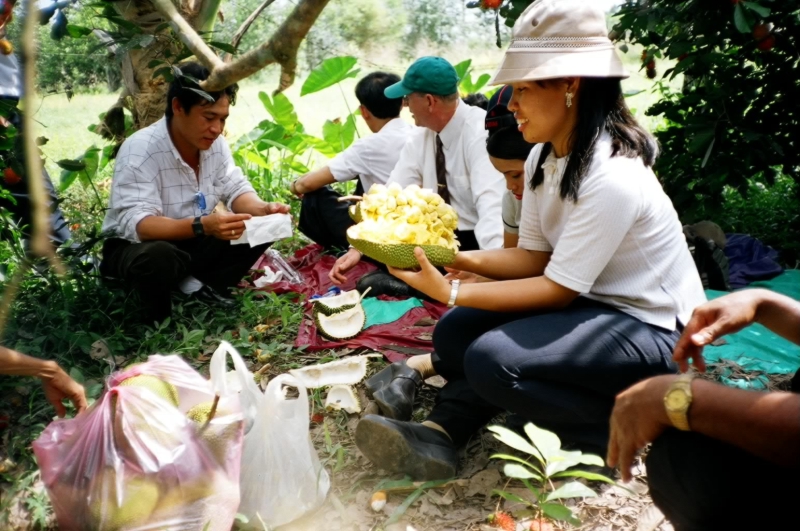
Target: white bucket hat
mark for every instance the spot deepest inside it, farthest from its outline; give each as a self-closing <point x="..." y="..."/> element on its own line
<point x="559" y="38"/>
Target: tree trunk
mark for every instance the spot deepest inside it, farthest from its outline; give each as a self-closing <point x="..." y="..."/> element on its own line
<point x="145" y="95"/>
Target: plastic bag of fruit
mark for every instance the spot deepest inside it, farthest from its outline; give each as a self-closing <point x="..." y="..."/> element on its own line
<point x="283" y="478"/>
<point x="147" y="455"/>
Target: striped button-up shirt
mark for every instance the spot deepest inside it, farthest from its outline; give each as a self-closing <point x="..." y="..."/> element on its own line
<point x="151" y="179"/>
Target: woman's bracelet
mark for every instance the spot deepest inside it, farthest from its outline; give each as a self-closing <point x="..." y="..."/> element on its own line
<point x="453" y="292"/>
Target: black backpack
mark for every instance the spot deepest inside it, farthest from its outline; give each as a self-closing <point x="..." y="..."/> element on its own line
<point x="709" y="256"/>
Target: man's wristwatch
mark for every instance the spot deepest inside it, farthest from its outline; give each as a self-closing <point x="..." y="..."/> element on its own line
<point x="197" y="227"/>
<point x="677" y="400"/>
<point x="453" y="293"/>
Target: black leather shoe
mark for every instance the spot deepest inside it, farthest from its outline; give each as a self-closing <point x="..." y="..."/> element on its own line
<point x="394" y="389"/>
<point x="421" y="452"/>
<point x="212" y="297"/>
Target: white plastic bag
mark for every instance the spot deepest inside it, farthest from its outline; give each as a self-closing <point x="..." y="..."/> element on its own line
<point x="281" y="476"/>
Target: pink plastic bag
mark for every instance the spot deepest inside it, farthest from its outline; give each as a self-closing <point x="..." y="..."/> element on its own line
<point x="134" y="462"/>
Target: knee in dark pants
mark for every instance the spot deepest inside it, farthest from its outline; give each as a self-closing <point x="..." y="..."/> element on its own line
<point x="159" y="263"/>
<point x="486" y="373"/>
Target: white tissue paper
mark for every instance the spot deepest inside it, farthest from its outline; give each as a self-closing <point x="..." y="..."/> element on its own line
<point x="269" y="277"/>
<point x="265" y="229"/>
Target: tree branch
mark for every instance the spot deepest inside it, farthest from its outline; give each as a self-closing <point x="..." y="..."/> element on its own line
<point x="188" y="35"/>
<point x="281" y="48"/>
<point x="41" y="245"/>
<point x="247" y="23"/>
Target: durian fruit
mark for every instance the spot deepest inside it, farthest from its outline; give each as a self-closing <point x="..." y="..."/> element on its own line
<point x="112" y="511"/>
<point x="342" y="325"/>
<point x="342" y="397"/>
<point x="347" y="371"/>
<point x="395" y="220"/>
<point x="216" y="436"/>
<point x="355" y="212"/>
<point x="332" y="305"/>
<point x="161" y="388"/>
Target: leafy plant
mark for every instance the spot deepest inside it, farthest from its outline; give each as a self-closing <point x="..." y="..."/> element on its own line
<point x="550" y="463"/>
<point x="465" y="84"/>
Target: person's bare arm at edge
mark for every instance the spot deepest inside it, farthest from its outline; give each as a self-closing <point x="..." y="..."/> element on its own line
<point x="731" y="313"/>
<point x="56" y="383"/>
<point x="765" y="424"/>
<point x="312" y="181"/>
<point x="505" y="296"/>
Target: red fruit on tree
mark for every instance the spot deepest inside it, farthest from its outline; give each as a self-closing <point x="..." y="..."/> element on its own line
<point x="651" y="73"/>
<point x="491" y="4"/>
<point x="11" y="177"/>
<point x="761" y="31"/>
<point x="651" y="65"/>
<point x="682" y="56"/>
<point x="766" y="44"/>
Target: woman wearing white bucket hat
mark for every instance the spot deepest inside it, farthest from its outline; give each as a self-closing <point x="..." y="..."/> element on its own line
<point x="595" y="295"/>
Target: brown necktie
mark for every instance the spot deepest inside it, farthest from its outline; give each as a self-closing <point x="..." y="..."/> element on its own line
<point x="441" y="171"/>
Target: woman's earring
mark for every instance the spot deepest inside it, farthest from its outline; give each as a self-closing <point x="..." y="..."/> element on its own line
<point x="569" y="99"/>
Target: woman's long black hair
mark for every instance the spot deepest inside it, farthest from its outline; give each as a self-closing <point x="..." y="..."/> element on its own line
<point x="601" y="106"/>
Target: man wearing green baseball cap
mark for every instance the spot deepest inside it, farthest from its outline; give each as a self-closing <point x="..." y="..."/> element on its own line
<point x="447" y="154"/>
<point x="431" y="75"/>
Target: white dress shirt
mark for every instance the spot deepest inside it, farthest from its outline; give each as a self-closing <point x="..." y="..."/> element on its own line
<point x="373" y="157"/>
<point x="621" y="243"/>
<point x="151" y="179"/>
<point x="10" y="77"/>
<point x="475" y="186"/>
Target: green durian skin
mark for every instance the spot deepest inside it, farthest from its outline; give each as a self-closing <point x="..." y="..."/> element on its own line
<point x="401" y="255"/>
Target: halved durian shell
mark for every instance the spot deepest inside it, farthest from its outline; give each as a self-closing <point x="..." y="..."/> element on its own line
<point x="342" y="397"/>
<point x="343" y="325"/>
<point x="333" y="305"/>
<point x="347" y="371"/>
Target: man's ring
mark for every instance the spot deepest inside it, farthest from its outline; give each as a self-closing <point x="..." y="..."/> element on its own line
<point x="233" y="232"/>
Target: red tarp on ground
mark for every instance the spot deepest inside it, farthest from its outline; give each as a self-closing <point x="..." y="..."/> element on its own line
<point x="314" y="267"/>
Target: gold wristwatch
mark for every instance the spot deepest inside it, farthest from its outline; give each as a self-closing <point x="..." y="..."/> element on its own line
<point x="677" y="400"/>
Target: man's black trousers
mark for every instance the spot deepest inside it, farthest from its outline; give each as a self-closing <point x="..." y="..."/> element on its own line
<point x="155" y="268"/>
<point x="700" y="483"/>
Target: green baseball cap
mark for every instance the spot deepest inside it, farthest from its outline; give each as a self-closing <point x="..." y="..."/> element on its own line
<point x="429" y="75"/>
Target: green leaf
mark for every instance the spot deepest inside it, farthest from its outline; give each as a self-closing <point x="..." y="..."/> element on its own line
<point x="591" y="476"/>
<point x="757" y="8"/>
<point x="513" y="440"/>
<point x="556" y="511"/>
<point x="256" y="159"/>
<point x="224" y="46"/>
<point x="330" y="72"/>
<point x="76" y="32"/>
<point x="462" y="69"/>
<point x="547" y="442"/>
<point x="321" y="146"/>
<point x="510" y="497"/>
<point x="281" y="109"/>
<point x="741" y="19"/>
<point x="66" y="179"/>
<point x="573" y="489"/>
<point x="508" y="457"/>
<point x="701" y="139"/>
<point x="71" y="165"/>
<point x="517" y="471"/>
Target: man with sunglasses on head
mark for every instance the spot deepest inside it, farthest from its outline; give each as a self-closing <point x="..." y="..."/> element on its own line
<point x="167" y="181"/>
<point x="447" y="154"/>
